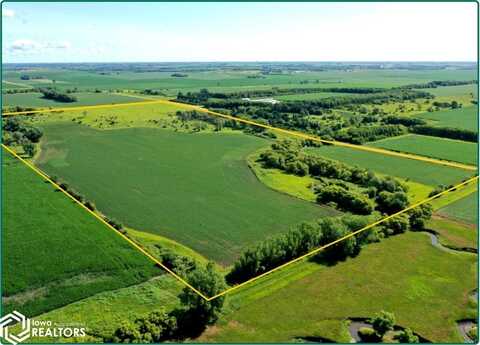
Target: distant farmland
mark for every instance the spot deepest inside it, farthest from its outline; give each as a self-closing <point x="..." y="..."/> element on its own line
<point x="35" y="99"/>
<point x="194" y="188"/>
<point x="47" y="246"/>
<point x="464" y="118"/>
<point x="453" y="150"/>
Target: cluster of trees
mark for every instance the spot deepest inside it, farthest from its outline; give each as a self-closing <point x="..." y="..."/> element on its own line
<point x="363" y="134"/>
<point x="436" y="83"/>
<point x="151" y="92"/>
<point x="453" y="104"/>
<point x="56" y="95"/>
<point x="13" y="91"/>
<point x="194" y="314"/>
<point x="382" y="323"/>
<point x="403" y="120"/>
<point x="194" y="115"/>
<point x="389" y="193"/>
<point x="306" y="237"/>
<point x="446" y="132"/>
<point x="15" y="132"/>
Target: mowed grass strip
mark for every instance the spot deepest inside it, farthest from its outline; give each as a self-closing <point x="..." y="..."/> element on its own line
<point x="447" y="149"/>
<point x="463" y="118"/>
<point x="53" y="251"/>
<point x="196" y="189"/>
<point x="418" y="171"/>
<point x="427" y="289"/>
<point x="35" y="99"/>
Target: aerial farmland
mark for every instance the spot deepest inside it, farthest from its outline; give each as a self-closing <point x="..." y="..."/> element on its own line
<point x="240" y="202"/>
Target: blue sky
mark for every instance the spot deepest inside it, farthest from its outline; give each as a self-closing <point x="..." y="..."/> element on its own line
<point x="107" y="32"/>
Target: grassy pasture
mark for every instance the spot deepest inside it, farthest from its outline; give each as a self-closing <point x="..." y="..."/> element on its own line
<point x="103" y="313"/>
<point x="427" y="290"/>
<point x="465" y="209"/>
<point x="417" y="171"/>
<point x="452" y="150"/>
<point x="34" y="99"/>
<point x="458" y="90"/>
<point x="54" y="252"/>
<point x="453" y="233"/>
<point x="463" y="118"/>
<point x="193" y="188"/>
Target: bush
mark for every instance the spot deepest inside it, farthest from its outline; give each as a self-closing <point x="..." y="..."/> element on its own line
<point x="368" y="335"/>
<point x="383" y="322"/>
<point x="407" y="337"/>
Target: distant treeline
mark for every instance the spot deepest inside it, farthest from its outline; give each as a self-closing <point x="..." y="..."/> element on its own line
<point x="205" y="94"/>
<point x="57" y="96"/>
<point x="363" y="134"/>
<point x="447" y="132"/>
<point x="437" y="83"/>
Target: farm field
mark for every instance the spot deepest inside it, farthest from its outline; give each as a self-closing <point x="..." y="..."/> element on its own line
<point x="227" y="80"/>
<point x="464" y="118"/>
<point x="417" y="171"/>
<point x="465" y="209"/>
<point x="47" y="241"/>
<point x="447" y="149"/>
<point x="35" y="99"/>
<point x="421" y="277"/>
<point x="193" y="188"/>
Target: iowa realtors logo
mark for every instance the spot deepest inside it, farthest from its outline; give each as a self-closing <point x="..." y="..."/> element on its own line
<point x="11" y="319"/>
<point x="33" y="328"/>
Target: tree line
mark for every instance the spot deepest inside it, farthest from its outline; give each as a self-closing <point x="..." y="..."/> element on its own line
<point x="55" y="95"/>
<point x="438" y="83"/>
<point x="306" y="237"/>
<point x="446" y="132"/>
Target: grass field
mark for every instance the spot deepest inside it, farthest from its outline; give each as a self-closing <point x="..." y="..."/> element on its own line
<point x="193" y="188"/>
<point x="103" y="313"/>
<point x="136" y="115"/>
<point x="458" y="90"/>
<point x="453" y="233"/>
<point x="463" y="118"/>
<point x="452" y="150"/>
<point x="47" y="246"/>
<point x="427" y="290"/>
<point x="35" y="100"/>
<point x="465" y="209"/>
<point x="418" y="171"/>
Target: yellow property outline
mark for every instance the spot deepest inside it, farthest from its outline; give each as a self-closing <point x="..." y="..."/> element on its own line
<point x="284" y="131"/>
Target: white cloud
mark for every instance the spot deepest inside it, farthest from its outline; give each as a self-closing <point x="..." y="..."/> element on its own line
<point x="8" y="13"/>
<point x="29" y="45"/>
<point x="24" y="45"/>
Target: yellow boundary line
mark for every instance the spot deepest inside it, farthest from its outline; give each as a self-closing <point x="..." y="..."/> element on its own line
<point x="126" y="238"/>
<point x="253" y="123"/>
<point x="313" y="252"/>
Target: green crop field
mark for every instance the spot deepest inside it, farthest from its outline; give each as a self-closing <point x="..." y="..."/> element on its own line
<point x="47" y="246"/>
<point x="35" y="99"/>
<point x="452" y="150"/>
<point x="465" y="209"/>
<point x="463" y="118"/>
<point x="193" y="188"/>
<point x="427" y="289"/>
<point x="457" y="90"/>
<point x="418" y="171"/>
